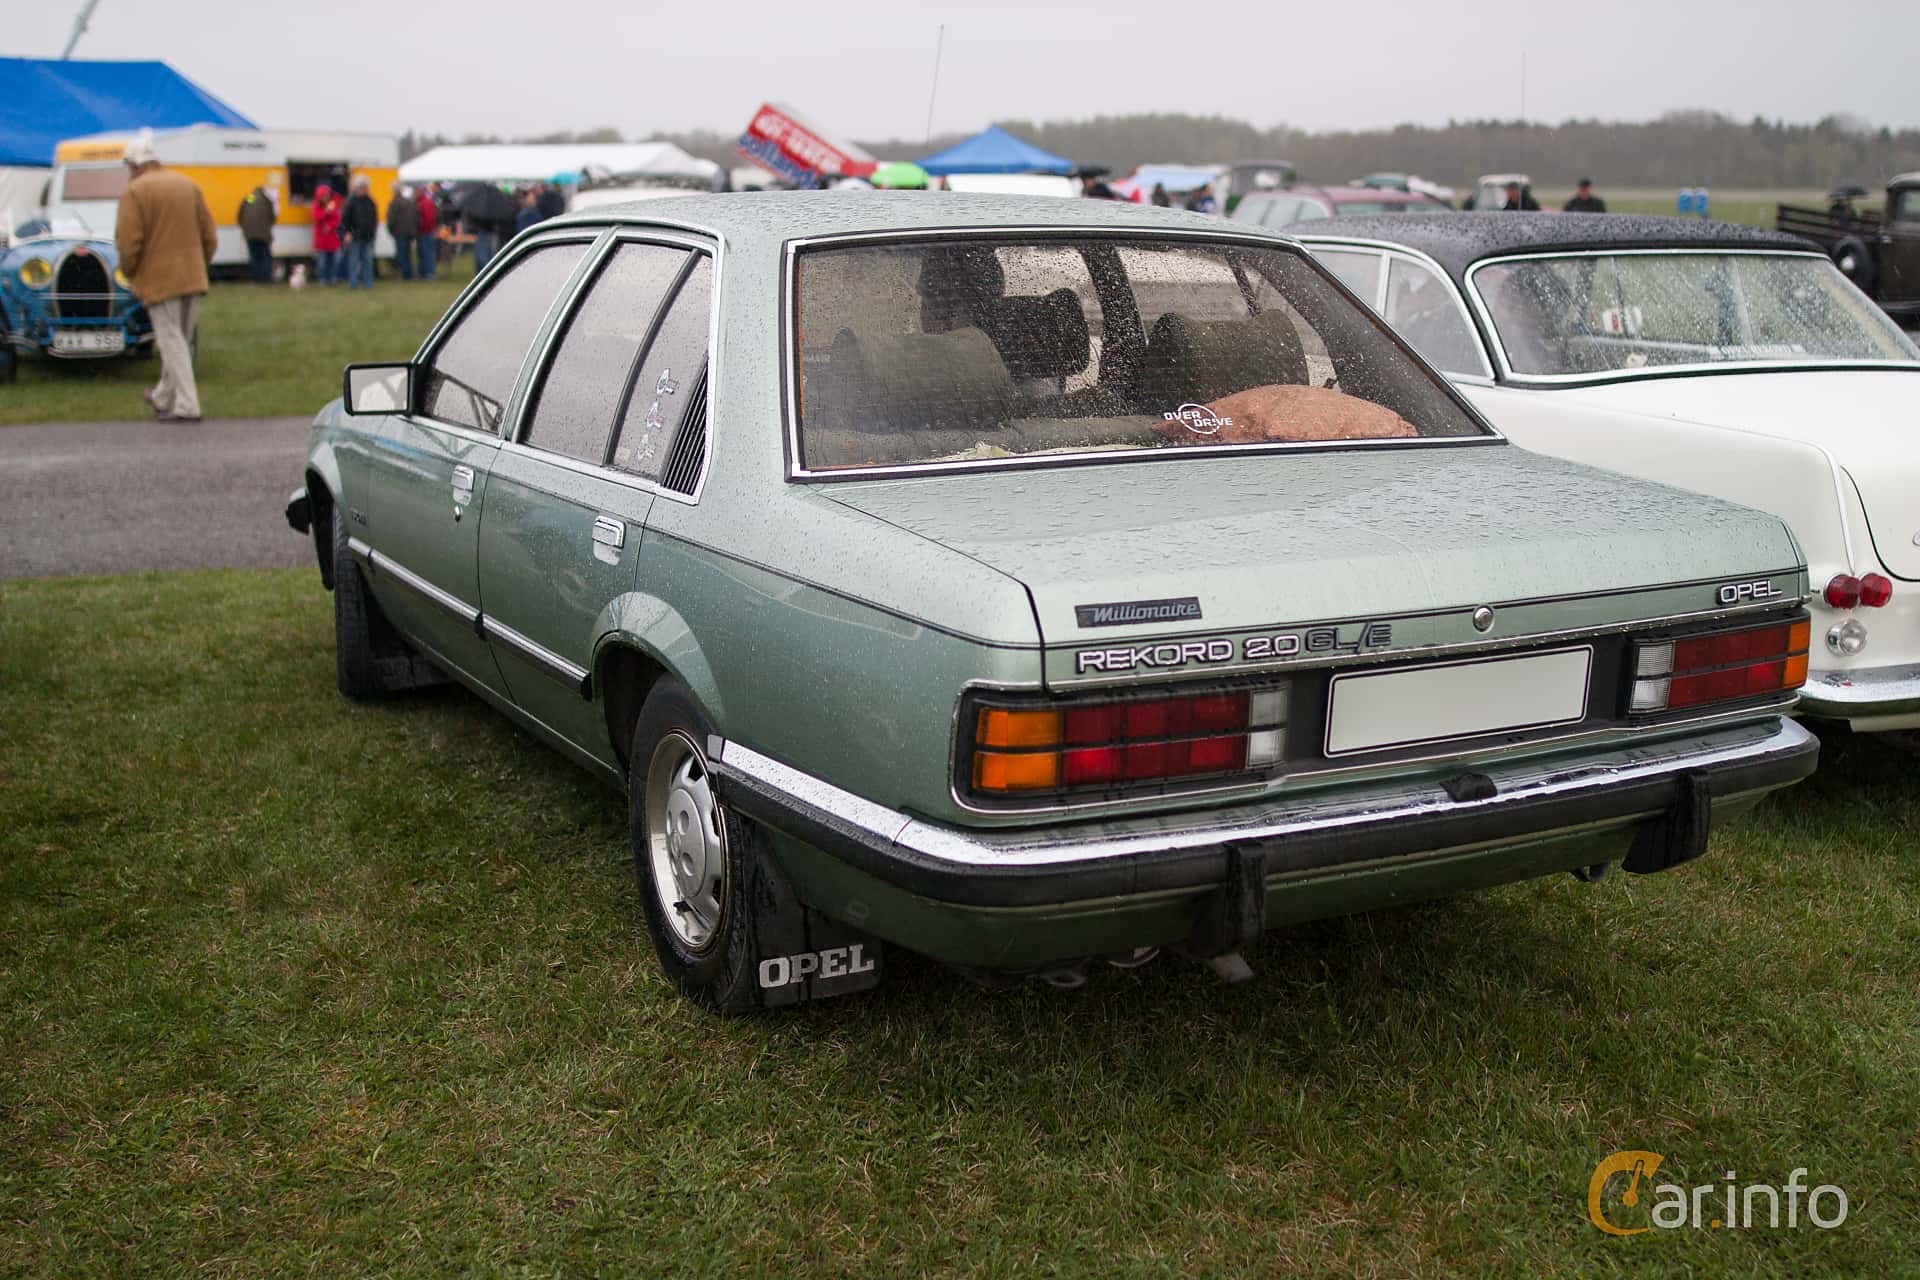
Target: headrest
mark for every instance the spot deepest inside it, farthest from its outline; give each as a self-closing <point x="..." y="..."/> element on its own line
<point x="1200" y="360"/>
<point x="1043" y="337"/>
<point x="909" y="382"/>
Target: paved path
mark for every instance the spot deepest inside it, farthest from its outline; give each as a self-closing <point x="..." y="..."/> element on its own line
<point x="115" y="497"/>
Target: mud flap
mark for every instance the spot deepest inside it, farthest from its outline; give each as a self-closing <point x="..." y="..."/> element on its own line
<point x="1233" y="916"/>
<point x="800" y="953"/>
<point x="1681" y="835"/>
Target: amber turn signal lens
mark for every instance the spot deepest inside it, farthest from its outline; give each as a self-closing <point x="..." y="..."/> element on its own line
<point x="999" y="727"/>
<point x="1798" y="636"/>
<point x="993" y="771"/>
<point x="1796" y="674"/>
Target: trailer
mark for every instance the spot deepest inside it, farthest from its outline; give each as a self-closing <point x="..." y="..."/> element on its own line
<point x="90" y="173"/>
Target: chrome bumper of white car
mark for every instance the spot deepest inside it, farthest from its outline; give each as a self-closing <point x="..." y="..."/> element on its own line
<point x="1863" y="694"/>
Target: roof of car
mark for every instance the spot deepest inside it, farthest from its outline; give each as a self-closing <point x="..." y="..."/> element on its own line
<point x="1345" y="195"/>
<point x="1458" y="240"/>
<point x="759" y="218"/>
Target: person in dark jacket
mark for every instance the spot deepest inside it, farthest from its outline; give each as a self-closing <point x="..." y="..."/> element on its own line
<point x="1161" y="200"/>
<point x="553" y="201"/>
<point x="359" y="223"/>
<point x="529" y="214"/>
<point x="403" y="223"/>
<point x="1584" y="201"/>
<point x="256" y="220"/>
<point x="1519" y="199"/>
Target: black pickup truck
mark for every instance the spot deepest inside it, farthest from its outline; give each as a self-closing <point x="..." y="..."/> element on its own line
<point x="1878" y="252"/>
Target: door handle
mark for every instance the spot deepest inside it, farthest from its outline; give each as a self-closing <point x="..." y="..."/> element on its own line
<point x="609" y="532"/>
<point x="462" y="490"/>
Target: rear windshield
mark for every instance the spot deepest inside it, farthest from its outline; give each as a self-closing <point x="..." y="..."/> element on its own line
<point x="970" y="351"/>
<point x="1617" y="313"/>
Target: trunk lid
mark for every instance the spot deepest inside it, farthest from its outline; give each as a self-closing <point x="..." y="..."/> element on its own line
<point x="1416" y="536"/>
<point x="1867" y="420"/>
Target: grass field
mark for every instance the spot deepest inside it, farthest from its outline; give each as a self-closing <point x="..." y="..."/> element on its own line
<point x="297" y="987"/>
<point x="265" y="351"/>
<point x="1755" y="208"/>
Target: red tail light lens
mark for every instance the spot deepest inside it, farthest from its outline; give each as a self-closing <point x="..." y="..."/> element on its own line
<point x="1116" y="743"/>
<point x="1719" y="666"/>
<point x="1876" y="590"/>
<point x="1843" y="591"/>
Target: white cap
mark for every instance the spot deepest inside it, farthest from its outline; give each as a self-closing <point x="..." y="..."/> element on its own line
<point x="140" y="150"/>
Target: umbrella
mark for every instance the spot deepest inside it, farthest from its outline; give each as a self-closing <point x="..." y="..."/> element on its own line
<point x="1847" y="192"/>
<point x="484" y="202"/>
<point x="900" y="175"/>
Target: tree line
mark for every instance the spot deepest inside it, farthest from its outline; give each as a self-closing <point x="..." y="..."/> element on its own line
<point x="1681" y="148"/>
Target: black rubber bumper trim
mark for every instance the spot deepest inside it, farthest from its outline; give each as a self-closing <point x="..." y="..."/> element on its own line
<point x="1206" y="867"/>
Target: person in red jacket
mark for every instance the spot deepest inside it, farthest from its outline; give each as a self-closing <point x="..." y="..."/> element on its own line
<point x="326" y="236"/>
<point x="428" y="247"/>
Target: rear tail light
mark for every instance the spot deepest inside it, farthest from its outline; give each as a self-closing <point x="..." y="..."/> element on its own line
<point x="1719" y="666"/>
<point x="1843" y="591"/>
<point x="1025" y="751"/>
<point x="1876" y="590"/>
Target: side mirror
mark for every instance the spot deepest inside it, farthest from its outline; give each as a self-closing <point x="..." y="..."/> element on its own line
<point x="378" y="388"/>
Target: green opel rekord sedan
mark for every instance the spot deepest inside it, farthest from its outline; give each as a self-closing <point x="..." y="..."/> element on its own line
<point x="1029" y="583"/>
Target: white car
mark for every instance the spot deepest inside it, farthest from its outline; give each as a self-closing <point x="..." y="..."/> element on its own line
<point x="1723" y="359"/>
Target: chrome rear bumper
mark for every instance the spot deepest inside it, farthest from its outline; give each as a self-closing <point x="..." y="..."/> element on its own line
<point x="1331" y="831"/>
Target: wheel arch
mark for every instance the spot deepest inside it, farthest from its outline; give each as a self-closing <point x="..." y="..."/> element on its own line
<point x="643" y="639"/>
<point x="322" y="501"/>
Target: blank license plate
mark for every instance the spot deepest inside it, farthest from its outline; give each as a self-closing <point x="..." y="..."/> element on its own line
<point x="104" y="340"/>
<point x="1457" y="700"/>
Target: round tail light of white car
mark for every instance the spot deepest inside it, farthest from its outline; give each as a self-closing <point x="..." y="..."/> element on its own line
<point x="1844" y="591"/>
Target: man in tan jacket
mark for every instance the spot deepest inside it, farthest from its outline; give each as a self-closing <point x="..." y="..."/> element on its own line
<point x="165" y="236"/>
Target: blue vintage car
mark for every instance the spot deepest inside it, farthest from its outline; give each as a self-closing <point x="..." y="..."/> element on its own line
<point x="62" y="294"/>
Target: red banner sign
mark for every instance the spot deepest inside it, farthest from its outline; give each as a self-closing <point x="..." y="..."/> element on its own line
<point x="779" y="142"/>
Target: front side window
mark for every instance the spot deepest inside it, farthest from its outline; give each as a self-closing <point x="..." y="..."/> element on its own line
<point x="967" y="351"/>
<point x="471" y="375"/>
<point x="1607" y="313"/>
<point x="1906" y="206"/>
<point x="1422" y="309"/>
<point x="582" y="392"/>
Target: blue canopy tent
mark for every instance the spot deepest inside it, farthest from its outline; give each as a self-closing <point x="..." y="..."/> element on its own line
<point x="47" y="101"/>
<point x="994" y="150"/>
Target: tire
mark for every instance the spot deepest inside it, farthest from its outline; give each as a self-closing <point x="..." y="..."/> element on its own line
<point x="369" y="656"/>
<point x="353" y="613"/>
<point x="1856" y="263"/>
<point x="709" y="891"/>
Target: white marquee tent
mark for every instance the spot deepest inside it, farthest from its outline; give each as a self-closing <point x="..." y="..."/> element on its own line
<point x="537" y="162"/>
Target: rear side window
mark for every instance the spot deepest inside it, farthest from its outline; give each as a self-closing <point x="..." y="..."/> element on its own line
<point x="967" y="351"/>
<point x="669" y="379"/>
<point x="471" y="375"/>
<point x="1360" y="272"/>
<point x="1422" y="308"/>
<point x="580" y="396"/>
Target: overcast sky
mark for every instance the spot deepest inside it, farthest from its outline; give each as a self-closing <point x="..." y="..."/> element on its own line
<point x="862" y="68"/>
